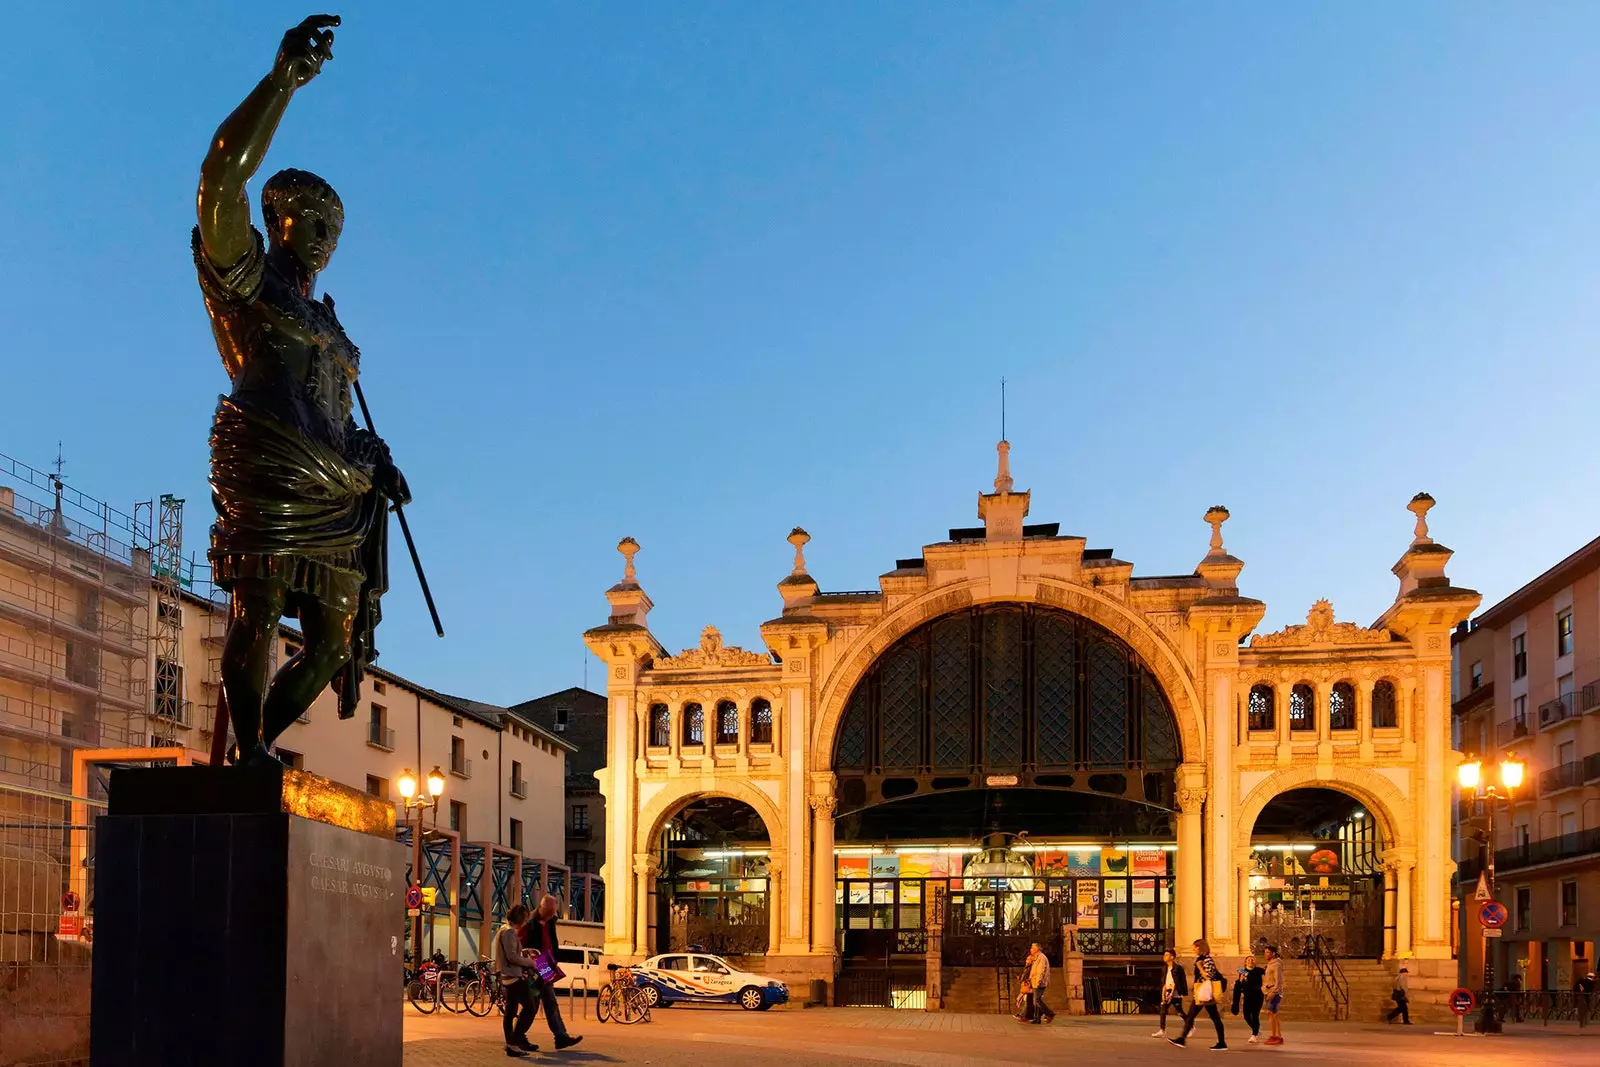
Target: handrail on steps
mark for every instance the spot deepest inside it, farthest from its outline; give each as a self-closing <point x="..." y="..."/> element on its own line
<point x="1323" y="963"/>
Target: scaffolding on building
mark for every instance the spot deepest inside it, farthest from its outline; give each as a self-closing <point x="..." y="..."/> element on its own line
<point x="75" y="624"/>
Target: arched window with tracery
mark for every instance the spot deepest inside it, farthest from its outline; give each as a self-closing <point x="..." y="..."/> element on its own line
<point x="761" y="721"/>
<point x="1384" y="712"/>
<point x="1302" y="707"/>
<point x="1342" y="707"/>
<point x="694" y="725"/>
<point x="660" y="726"/>
<point x="1262" y="708"/>
<point x="727" y="722"/>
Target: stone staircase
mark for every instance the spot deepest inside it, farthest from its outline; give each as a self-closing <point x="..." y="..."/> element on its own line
<point x="973" y="989"/>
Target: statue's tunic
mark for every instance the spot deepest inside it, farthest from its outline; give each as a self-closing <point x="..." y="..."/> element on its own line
<point x="291" y="473"/>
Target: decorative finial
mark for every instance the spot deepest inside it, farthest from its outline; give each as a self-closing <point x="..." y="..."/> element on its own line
<point x="1419" y="507"/>
<point x="1216" y="516"/>
<point x="798" y="538"/>
<point x="1002" y="478"/>
<point x="629" y="548"/>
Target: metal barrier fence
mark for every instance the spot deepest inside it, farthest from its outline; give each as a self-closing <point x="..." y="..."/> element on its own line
<point x="1545" y="1006"/>
<point x="46" y="927"/>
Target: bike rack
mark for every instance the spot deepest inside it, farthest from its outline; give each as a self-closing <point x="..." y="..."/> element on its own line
<point x="572" y="990"/>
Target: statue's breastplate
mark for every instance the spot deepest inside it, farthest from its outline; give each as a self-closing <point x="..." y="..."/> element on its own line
<point x="314" y="356"/>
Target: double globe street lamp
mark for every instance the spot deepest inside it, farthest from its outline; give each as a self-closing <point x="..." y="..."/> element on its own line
<point x="415" y="802"/>
<point x="1475" y="785"/>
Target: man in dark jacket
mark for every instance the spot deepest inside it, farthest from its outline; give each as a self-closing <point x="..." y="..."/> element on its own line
<point x="1174" y="984"/>
<point x="541" y="937"/>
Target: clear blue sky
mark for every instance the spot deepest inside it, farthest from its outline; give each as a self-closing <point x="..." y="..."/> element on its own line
<point x="698" y="273"/>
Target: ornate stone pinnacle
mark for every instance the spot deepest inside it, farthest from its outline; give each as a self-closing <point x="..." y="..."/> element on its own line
<point x="1216" y="516"/>
<point x="1002" y="478"/>
<point x="1419" y="506"/>
<point x="799" y="538"/>
<point x="629" y="548"/>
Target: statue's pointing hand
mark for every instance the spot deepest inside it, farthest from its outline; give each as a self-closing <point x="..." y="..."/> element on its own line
<point x="305" y="48"/>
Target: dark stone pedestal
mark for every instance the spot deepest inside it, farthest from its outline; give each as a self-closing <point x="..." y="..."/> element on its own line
<point x="247" y="918"/>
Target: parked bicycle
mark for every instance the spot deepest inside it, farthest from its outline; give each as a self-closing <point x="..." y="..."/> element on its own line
<point x="484" y="991"/>
<point x="621" y="998"/>
<point x="422" y="989"/>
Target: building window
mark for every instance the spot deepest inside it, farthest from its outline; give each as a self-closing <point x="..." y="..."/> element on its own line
<point x="516" y="835"/>
<point x="377" y="787"/>
<point x="1519" y="656"/>
<point x="290" y="759"/>
<point x="562" y="711"/>
<point x="379" y="687"/>
<point x="455" y="720"/>
<point x="1569" y="903"/>
<point x="581" y="862"/>
<point x="519" y="785"/>
<point x="290" y="650"/>
<point x="1342" y="707"/>
<point x="761" y="722"/>
<point x="1519" y="710"/>
<point x="458" y="817"/>
<point x="1384" y="713"/>
<point x="1477" y="676"/>
<point x="1302" y="707"/>
<point x="727" y="723"/>
<point x="580" y="816"/>
<point x="1524" y="916"/>
<point x="694" y="724"/>
<point x="1564" y="633"/>
<point x="1261" y="708"/>
<point x="660" y="726"/>
<point x="169" y="691"/>
<point x="458" y="757"/>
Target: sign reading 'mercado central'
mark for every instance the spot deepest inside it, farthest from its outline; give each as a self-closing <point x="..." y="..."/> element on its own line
<point x="1000" y="779"/>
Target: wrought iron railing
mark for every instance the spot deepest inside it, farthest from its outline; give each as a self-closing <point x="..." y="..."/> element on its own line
<point x="1528" y="854"/>
<point x="460" y="766"/>
<point x="1591" y="767"/>
<point x="380" y="736"/>
<point x="1566" y="776"/>
<point x="1589" y="699"/>
<point x="1511" y="730"/>
<point x="1553" y="711"/>
<point x="1328" y="976"/>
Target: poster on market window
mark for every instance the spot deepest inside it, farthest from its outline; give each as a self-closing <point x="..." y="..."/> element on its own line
<point x="1088" y="891"/>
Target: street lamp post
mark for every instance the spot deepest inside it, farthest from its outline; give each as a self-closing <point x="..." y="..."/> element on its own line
<point x="415" y="802"/>
<point x="1473" y="784"/>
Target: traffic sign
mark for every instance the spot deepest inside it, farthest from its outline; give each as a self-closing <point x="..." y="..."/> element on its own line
<point x="413" y="898"/>
<point x="1462" y="1001"/>
<point x="1492" y="913"/>
<point x="69" y="901"/>
<point x="1482" y="892"/>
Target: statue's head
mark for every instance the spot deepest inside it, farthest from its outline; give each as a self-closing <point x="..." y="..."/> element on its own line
<point x="304" y="215"/>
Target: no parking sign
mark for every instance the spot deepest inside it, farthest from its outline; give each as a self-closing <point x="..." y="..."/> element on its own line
<point x="1492" y="914"/>
<point x="1462" y="1001"/>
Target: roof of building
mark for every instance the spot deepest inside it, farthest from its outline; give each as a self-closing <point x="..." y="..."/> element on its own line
<point x="1544" y="586"/>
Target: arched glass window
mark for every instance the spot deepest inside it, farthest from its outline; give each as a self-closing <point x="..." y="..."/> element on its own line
<point x="1342" y="707"/>
<point x="1302" y="707"/>
<point x="1383" y="705"/>
<point x="660" y="726"/>
<point x="1262" y="702"/>
<point x="694" y="724"/>
<point x="760" y="721"/>
<point x="727" y="723"/>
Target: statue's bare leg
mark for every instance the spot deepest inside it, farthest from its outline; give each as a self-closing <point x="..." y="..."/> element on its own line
<point x="254" y="611"/>
<point x="307" y="673"/>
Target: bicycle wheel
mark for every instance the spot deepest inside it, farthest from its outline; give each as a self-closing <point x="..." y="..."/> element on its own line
<point x="635" y="1008"/>
<point x="605" y="1004"/>
<point x="477" y="998"/>
<point x="422" y="996"/>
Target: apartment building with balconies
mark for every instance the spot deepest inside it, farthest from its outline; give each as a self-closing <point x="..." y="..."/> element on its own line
<point x="1527" y="687"/>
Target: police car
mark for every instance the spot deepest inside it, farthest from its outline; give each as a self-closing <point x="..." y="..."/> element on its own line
<point x="699" y="978"/>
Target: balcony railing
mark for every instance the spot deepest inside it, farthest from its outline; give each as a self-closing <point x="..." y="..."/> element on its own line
<point x="1554" y="711"/>
<point x="580" y="833"/>
<point x="519" y="787"/>
<point x="1511" y="731"/>
<point x="1550" y="850"/>
<point x="460" y="766"/>
<point x="380" y="736"/>
<point x="1590" y="700"/>
<point x="1566" y="776"/>
<point x="1591" y="767"/>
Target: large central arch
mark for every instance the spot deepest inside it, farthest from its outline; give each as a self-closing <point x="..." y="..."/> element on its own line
<point x="1155" y="650"/>
<point x="1031" y="695"/>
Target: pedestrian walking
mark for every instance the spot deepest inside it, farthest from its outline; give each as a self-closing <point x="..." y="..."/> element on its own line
<point x="540" y="936"/>
<point x="1038" y="981"/>
<point x="1174" y="986"/>
<point x="1272" y="994"/>
<point x="513" y="961"/>
<point x="1247" y="993"/>
<point x="1402" y="1006"/>
<point x="1208" y="987"/>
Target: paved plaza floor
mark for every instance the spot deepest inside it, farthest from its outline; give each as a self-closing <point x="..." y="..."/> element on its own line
<point x="858" y="1037"/>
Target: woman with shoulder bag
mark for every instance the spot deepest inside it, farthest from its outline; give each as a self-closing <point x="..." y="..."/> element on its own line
<point x="1208" y="988"/>
<point x="514" y="963"/>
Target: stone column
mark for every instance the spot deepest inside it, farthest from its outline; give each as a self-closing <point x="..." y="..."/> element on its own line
<point x="1281" y="692"/>
<point x="1435" y="868"/>
<point x="1390" y="871"/>
<point x="1190" y="886"/>
<point x="1364" y="709"/>
<point x="744" y="729"/>
<point x="1402" y="906"/>
<point x="675" y="731"/>
<point x="645" y="869"/>
<point x="823" y="880"/>
<point x="1243" y="867"/>
<point x="1322" y="714"/>
<point x="1219" y="813"/>
<point x="774" y="905"/>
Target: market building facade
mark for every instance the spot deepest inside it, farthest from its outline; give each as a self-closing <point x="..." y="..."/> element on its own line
<point x="1015" y="736"/>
